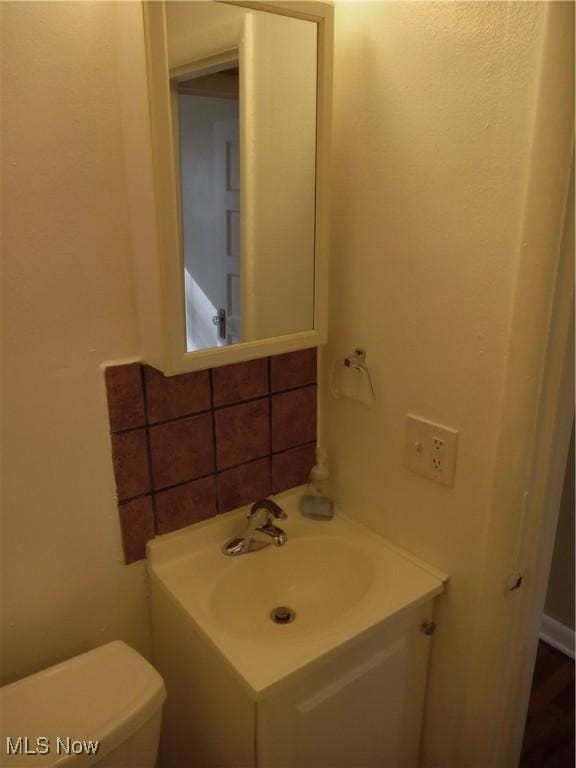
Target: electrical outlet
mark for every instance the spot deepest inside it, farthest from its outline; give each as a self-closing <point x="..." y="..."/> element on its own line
<point x="437" y="456"/>
<point x="430" y="450"/>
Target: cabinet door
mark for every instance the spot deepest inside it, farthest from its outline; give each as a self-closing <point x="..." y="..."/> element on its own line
<point x="363" y="709"/>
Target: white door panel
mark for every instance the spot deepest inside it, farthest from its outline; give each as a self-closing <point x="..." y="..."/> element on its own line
<point x="227" y="209"/>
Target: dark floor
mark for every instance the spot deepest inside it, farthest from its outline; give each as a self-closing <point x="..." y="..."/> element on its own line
<point x="549" y="734"/>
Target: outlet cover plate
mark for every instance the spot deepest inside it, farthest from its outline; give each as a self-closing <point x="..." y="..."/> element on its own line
<point x="430" y="450"/>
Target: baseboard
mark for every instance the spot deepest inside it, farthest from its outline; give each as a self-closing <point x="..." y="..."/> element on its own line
<point x="557" y="635"/>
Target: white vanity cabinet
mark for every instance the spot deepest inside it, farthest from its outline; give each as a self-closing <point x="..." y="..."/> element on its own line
<point x="359" y="708"/>
<point x="341" y="686"/>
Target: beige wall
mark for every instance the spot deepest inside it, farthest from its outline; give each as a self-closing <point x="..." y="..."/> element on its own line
<point x="67" y="306"/>
<point x="434" y="113"/>
<point x="560" y="597"/>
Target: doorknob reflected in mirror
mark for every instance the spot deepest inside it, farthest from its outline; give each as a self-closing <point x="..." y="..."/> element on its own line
<point x="219" y="321"/>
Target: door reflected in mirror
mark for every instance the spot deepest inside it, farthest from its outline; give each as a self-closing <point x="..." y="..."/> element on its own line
<point x="208" y="108"/>
<point x="243" y="90"/>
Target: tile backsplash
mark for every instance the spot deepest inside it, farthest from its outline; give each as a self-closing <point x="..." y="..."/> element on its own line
<point x="188" y="447"/>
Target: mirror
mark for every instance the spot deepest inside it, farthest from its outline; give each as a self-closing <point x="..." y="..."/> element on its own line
<point x="243" y="94"/>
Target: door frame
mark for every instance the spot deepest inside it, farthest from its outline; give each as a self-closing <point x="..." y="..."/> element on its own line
<point x="535" y="422"/>
<point x="548" y="467"/>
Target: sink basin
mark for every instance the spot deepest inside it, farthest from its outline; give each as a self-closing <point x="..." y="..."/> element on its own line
<point x="340" y="579"/>
<point x="319" y="578"/>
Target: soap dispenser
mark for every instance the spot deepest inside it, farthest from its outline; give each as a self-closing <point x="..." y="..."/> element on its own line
<point x="316" y="503"/>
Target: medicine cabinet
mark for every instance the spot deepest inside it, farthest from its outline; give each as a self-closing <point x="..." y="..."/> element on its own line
<point x="226" y="112"/>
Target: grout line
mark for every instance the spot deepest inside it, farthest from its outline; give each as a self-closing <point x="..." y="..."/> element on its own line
<point x="180" y="418"/>
<point x="244" y="463"/>
<point x="183" y="482"/>
<point x="214" y="443"/>
<point x="209" y="410"/>
<point x="200" y="477"/>
<point x="149" y="448"/>
<point x="217" y="472"/>
<point x="211" y="385"/>
<point x="153" y="492"/>
<point x="121" y="502"/>
<point x="293" y="389"/>
<point x="270" y="476"/>
<point x="295" y="447"/>
<point x="270" y="472"/>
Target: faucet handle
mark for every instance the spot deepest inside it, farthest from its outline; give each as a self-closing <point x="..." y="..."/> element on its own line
<point x="272" y="509"/>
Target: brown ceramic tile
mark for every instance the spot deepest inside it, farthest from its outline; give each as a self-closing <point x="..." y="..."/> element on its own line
<point x="130" y="455"/>
<point x="242" y="433"/>
<point x="125" y="396"/>
<point x="244" y="485"/>
<point x="293" y="418"/>
<point x="168" y="397"/>
<point x="292" y="467"/>
<point x="186" y="504"/>
<point x="137" y="525"/>
<point x="295" y="369"/>
<point x="182" y="450"/>
<point x="242" y="381"/>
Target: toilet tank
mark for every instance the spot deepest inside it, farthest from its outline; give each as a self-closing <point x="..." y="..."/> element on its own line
<point x="101" y="708"/>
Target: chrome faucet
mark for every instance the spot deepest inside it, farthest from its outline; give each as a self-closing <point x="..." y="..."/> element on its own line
<point x="260" y="531"/>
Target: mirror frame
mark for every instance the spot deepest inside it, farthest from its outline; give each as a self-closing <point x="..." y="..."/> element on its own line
<point x="153" y="193"/>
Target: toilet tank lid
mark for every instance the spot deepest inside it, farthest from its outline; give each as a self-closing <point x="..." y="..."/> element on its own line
<point x="103" y="695"/>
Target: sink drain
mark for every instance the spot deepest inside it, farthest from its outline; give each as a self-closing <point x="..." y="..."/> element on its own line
<point x="282" y="615"/>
